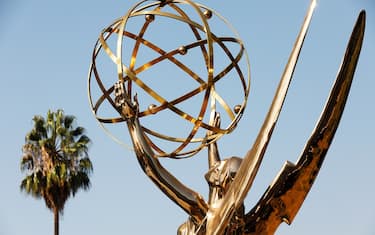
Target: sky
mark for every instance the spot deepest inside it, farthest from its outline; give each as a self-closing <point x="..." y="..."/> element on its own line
<point x="45" y="54"/>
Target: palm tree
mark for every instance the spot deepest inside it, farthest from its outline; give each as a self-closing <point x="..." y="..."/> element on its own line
<point x="55" y="159"/>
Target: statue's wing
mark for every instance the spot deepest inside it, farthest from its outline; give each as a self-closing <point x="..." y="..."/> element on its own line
<point x="220" y="213"/>
<point x="282" y="200"/>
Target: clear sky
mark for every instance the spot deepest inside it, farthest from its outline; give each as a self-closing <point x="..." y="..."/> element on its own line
<point x="45" y="52"/>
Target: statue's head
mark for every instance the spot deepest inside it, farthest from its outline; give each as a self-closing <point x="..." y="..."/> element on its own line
<point x="180" y="68"/>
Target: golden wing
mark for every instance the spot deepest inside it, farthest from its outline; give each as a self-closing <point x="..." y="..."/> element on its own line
<point x="219" y="215"/>
<point x="284" y="197"/>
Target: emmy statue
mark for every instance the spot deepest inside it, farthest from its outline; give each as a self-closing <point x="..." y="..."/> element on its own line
<point x="134" y="100"/>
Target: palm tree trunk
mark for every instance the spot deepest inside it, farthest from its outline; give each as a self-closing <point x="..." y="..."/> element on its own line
<point x="56" y="220"/>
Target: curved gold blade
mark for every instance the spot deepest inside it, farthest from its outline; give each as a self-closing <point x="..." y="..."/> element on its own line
<point x="220" y="213"/>
<point x="282" y="200"/>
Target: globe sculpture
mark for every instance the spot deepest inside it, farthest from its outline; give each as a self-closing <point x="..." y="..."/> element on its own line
<point x="187" y="80"/>
<point x="170" y="84"/>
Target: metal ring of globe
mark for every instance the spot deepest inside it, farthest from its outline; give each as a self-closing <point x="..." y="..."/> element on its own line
<point x="131" y="75"/>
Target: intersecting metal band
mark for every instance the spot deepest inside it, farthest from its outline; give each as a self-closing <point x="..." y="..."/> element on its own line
<point x="205" y="86"/>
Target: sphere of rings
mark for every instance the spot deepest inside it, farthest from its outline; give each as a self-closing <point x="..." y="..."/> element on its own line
<point x="206" y="42"/>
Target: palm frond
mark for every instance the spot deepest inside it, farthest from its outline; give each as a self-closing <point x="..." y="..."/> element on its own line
<point x="85" y="165"/>
<point x="27" y="162"/>
<point x="68" y="121"/>
<point x="79" y="180"/>
<point x="39" y="127"/>
<point x="84" y="140"/>
<point x="32" y="184"/>
<point x="78" y="131"/>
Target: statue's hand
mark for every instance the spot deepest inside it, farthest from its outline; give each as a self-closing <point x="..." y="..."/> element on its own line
<point x="125" y="106"/>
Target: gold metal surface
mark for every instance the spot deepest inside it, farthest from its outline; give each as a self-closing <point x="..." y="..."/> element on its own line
<point x="220" y="214"/>
<point x="206" y="85"/>
<point x="230" y="179"/>
<point x="282" y="200"/>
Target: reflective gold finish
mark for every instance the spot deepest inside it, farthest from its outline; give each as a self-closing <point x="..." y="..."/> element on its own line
<point x="182" y="50"/>
<point x="229" y="179"/>
<point x="208" y="14"/>
<point x="284" y="197"/>
<point x="219" y="215"/>
<point x="237" y="109"/>
<point x="205" y="41"/>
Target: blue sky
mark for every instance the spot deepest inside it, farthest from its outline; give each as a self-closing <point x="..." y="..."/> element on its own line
<point x="45" y="55"/>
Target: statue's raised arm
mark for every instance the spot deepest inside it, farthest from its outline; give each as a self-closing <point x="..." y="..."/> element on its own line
<point x="187" y="199"/>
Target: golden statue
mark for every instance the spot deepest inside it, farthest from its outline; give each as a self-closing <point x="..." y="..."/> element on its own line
<point x="229" y="180"/>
